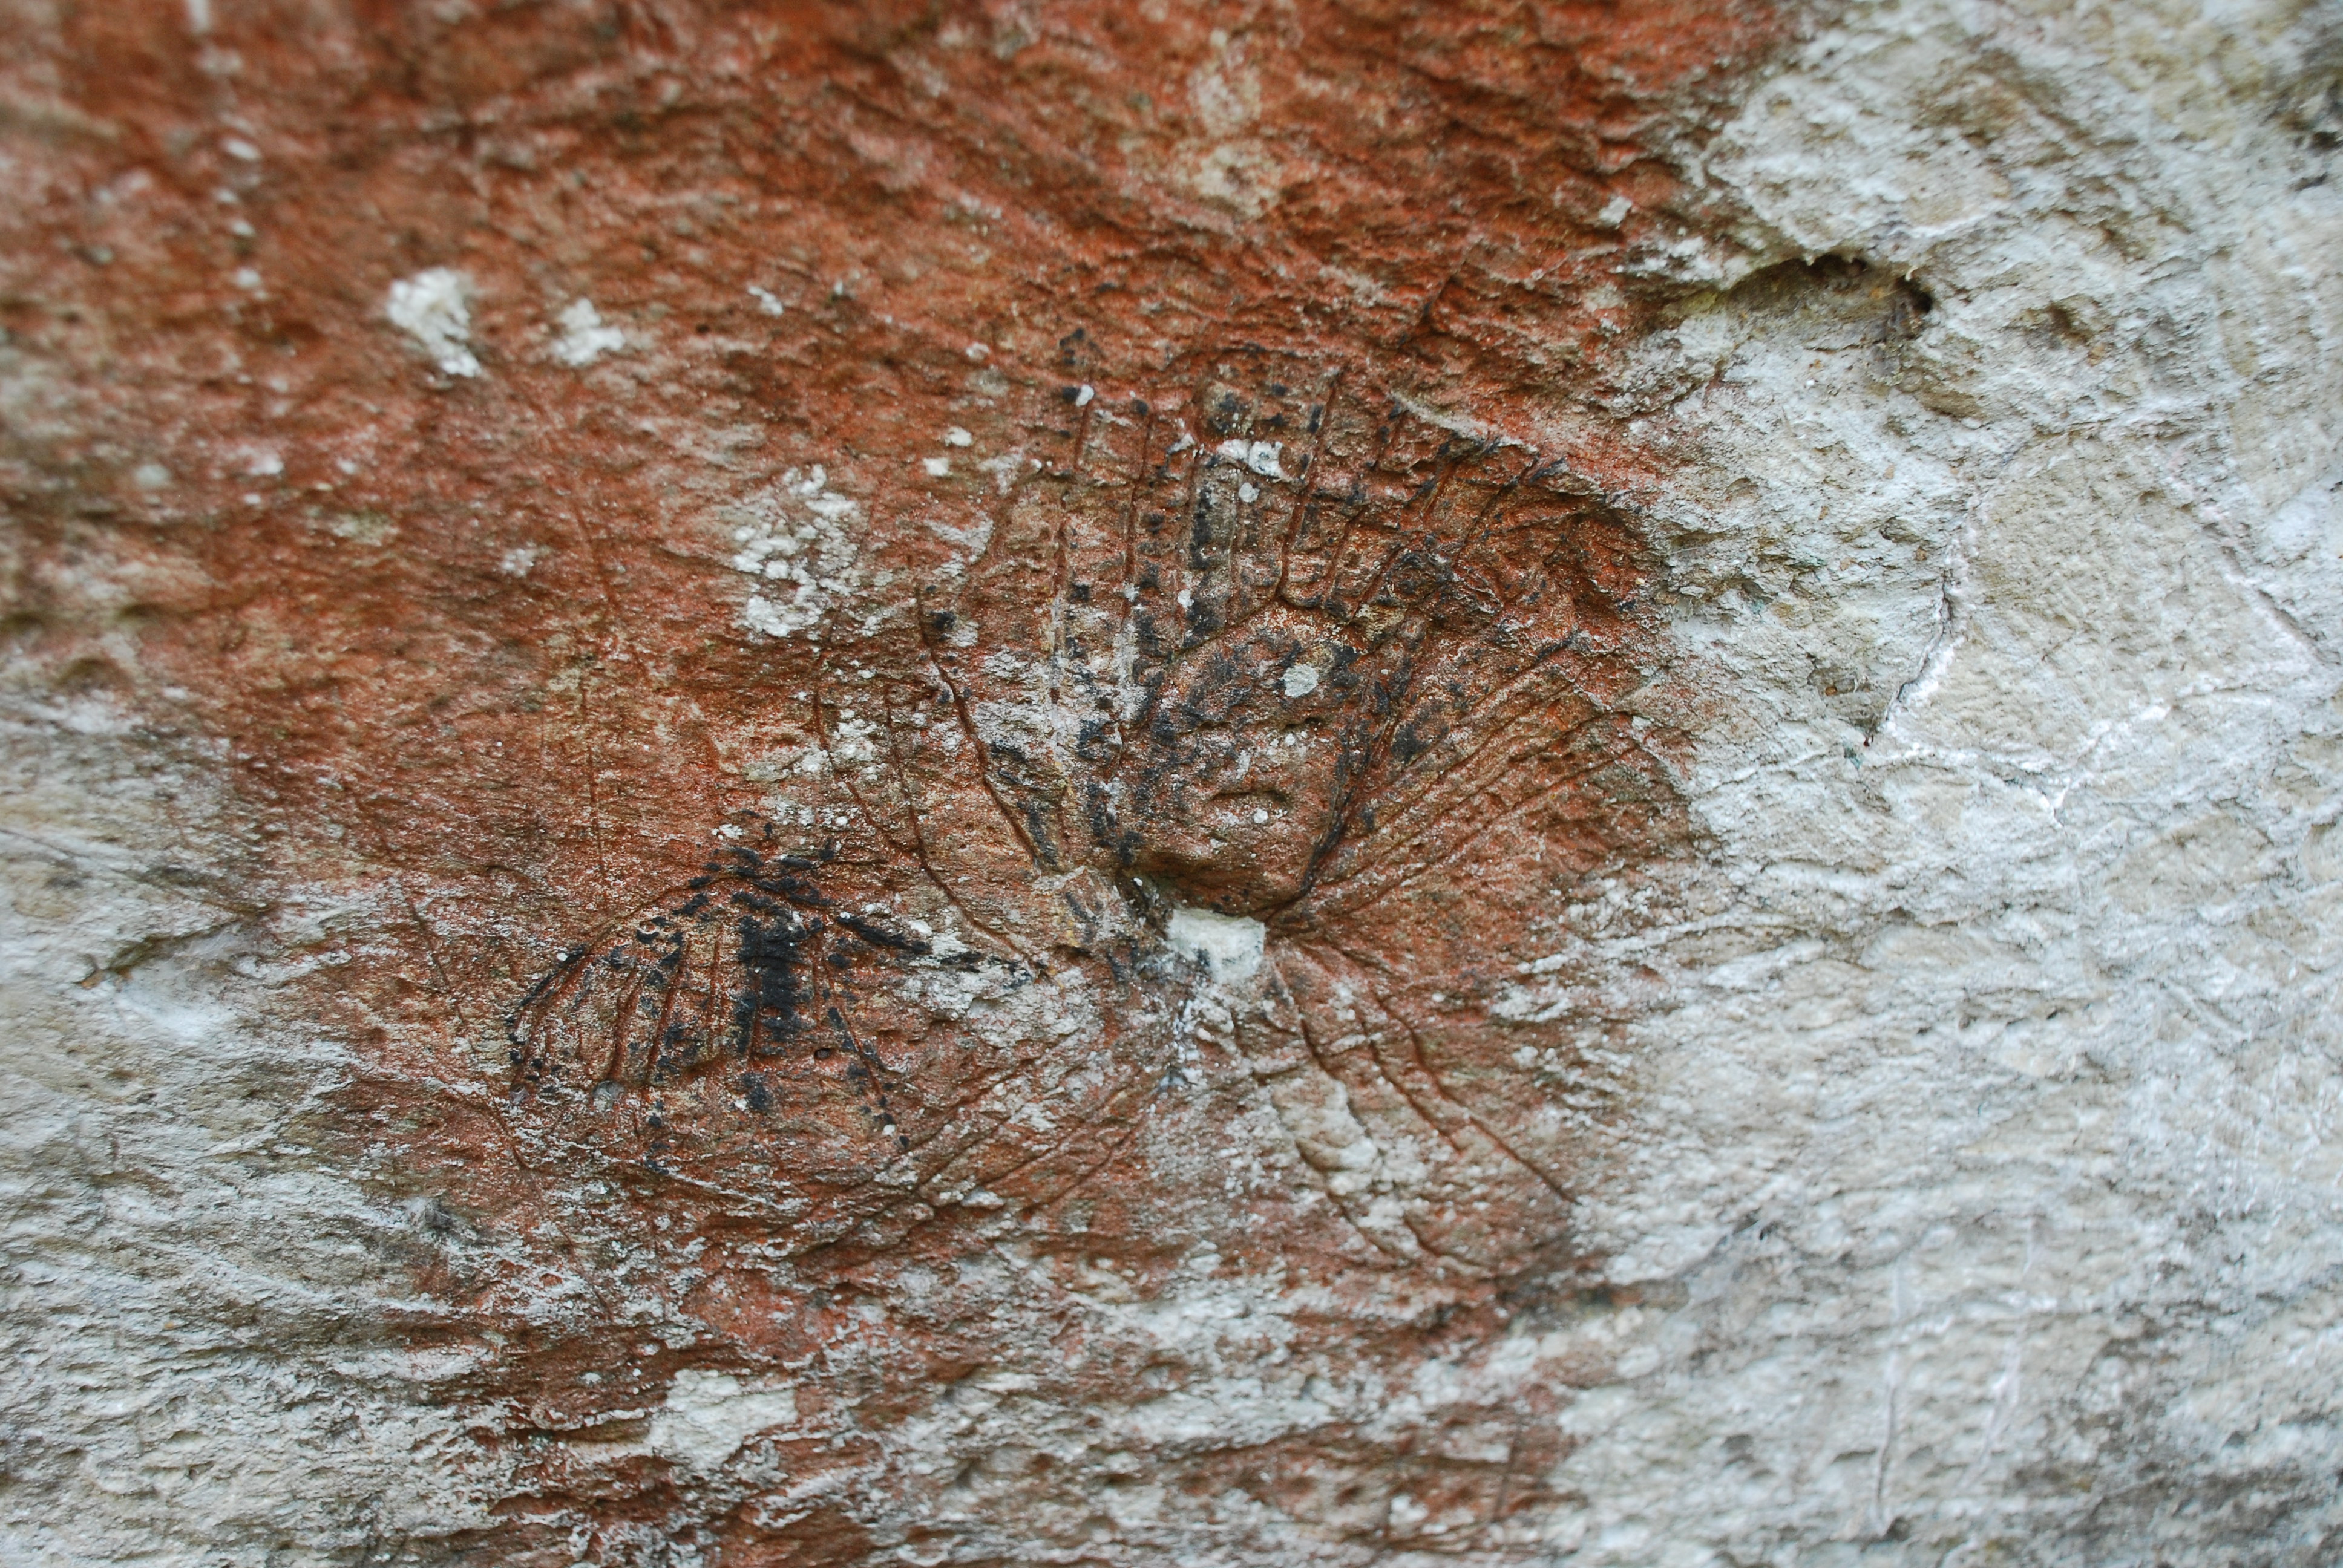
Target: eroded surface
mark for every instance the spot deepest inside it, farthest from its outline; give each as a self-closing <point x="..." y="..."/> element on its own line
<point x="1172" y="784"/>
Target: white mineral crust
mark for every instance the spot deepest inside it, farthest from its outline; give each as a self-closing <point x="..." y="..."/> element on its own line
<point x="1988" y="1149"/>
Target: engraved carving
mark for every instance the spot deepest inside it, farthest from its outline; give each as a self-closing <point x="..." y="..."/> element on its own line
<point x="1279" y="652"/>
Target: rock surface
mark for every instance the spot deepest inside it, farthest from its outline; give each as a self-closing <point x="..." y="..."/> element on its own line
<point x="1334" y="782"/>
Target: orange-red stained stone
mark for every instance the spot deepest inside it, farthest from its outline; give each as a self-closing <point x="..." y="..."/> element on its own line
<point x="1196" y="425"/>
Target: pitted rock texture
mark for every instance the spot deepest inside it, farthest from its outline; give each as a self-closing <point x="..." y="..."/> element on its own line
<point x="1209" y="784"/>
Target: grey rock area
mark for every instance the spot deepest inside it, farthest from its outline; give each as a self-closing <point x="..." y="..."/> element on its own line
<point x="1992" y="1159"/>
<point x="202" y="1306"/>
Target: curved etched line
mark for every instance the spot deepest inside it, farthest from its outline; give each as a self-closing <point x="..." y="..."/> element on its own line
<point x="1318" y="1057"/>
<point x="968" y="727"/>
<point x="1439" y="1087"/>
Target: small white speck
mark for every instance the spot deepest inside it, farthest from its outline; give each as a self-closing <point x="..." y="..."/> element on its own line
<point x="978" y="351"/>
<point x="1261" y="457"/>
<point x="247" y="278"/>
<point x="956" y="437"/>
<point x="1185" y="598"/>
<point x="584" y="339"/>
<point x="1083" y="398"/>
<point x="241" y="229"/>
<point x="251" y="497"/>
<point x="150" y="476"/>
<point x="1614" y="212"/>
<point x="517" y="560"/>
<point x="1301" y="680"/>
<point x="1248" y="493"/>
<point x="435" y="308"/>
<point x="766" y="301"/>
<point x="937" y="468"/>
<point x="1260" y="814"/>
<point x="241" y="150"/>
<point x="263" y="465"/>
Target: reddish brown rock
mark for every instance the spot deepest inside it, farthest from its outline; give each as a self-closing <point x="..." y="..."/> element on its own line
<point x="800" y="560"/>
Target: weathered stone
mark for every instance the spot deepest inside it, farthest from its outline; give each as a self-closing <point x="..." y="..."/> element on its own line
<point x="1340" y="782"/>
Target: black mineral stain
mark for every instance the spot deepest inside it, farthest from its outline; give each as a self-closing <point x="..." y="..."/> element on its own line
<point x="749" y="962"/>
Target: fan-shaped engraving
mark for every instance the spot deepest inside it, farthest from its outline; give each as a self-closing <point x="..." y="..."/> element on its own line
<point x="1303" y="658"/>
<point x="1286" y="654"/>
<point x="749" y="966"/>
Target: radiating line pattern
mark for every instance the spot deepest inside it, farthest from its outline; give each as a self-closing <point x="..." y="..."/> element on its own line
<point x="1277" y="650"/>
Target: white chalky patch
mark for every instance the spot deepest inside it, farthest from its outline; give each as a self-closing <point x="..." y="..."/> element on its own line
<point x="799" y="537"/>
<point x="709" y="1415"/>
<point x="435" y="308"/>
<point x="1003" y="469"/>
<point x="853" y="740"/>
<point x="584" y="337"/>
<point x="1261" y="457"/>
<point x="1301" y="680"/>
<point x="1229" y="946"/>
